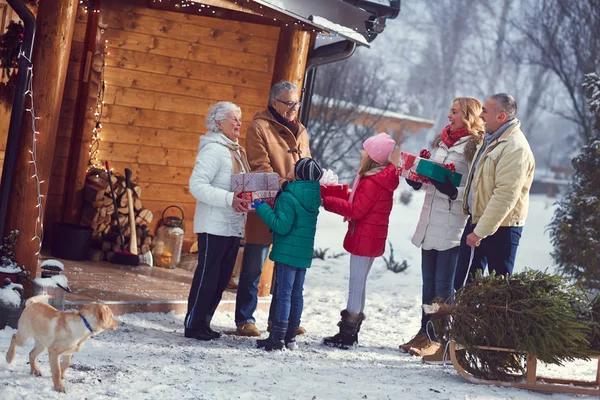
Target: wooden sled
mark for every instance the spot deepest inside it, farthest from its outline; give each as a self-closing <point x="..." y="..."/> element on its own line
<point x="531" y="381"/>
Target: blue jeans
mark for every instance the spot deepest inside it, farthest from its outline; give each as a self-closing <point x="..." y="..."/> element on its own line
<point x="247" y="292"/>
<point x="290" y="301"/>
<point x="438" y="268"/>
<point x="498" y="252"/>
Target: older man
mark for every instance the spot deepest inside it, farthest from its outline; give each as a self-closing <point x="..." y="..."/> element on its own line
<point x="275" y="140"/>
<point x="496" y="193"/>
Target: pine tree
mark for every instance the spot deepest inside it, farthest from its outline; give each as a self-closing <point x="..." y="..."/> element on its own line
<point x="575" y="228"/>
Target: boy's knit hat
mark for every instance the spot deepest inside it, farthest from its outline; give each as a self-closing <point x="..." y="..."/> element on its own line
<point x="307" y="169"/>
<point x="379" y="147"/>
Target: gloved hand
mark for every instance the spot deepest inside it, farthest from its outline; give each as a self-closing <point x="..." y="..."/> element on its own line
<point x="414" y="185"/>
<point x="257" y="203"/>
<point x="446" y="187"/>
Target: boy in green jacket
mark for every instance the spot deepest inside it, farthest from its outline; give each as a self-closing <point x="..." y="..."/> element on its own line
<point x="294" y="223"/>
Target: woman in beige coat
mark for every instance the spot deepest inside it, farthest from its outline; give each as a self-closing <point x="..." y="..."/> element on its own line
<point x="442" y="219"/>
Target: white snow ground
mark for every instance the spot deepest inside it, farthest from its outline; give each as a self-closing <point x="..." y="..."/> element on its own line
<point x="147" y="357"/>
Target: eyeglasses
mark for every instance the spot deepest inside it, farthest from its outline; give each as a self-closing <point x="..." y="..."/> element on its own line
<point x="236" y="120"/>
<point x="290" y="104"/>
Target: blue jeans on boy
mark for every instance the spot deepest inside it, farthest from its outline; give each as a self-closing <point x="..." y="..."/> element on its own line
<point x="438" y="268"/>
<point x="498" y="252"/>
<point x="290" y="300"/>
<point x="247" y="292"/>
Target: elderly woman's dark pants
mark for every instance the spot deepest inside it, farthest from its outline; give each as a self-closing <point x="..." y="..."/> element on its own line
<point x="216" y="260"/>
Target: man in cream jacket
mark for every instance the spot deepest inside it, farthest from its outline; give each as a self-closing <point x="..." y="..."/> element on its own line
<point x="496" y="193"/>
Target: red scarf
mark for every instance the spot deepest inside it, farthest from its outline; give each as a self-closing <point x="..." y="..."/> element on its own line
<point x="451" y="137"/>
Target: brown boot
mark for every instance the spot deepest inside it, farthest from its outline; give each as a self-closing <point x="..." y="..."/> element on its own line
<point x="439" y="357"/>
<point x="417" y="339"/>
<point x="424" y="348"/>
<point x="248" y="330"/>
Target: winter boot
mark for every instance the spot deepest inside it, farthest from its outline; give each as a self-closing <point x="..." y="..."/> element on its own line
<point x="290" y="337"/>
<point x="348" y="335"/>
<point x="275" y="339"/>
<point x="419" y="338"/>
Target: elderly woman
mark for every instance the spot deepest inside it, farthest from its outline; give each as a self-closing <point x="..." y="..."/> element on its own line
<point x="220" y="216"/>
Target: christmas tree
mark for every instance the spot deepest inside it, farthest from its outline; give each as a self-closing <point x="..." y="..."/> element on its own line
<point x="575" y="228"/>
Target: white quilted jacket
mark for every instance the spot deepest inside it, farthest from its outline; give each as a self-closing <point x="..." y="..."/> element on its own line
<point x="210" y="184"/>
<point x="442" y="220"/>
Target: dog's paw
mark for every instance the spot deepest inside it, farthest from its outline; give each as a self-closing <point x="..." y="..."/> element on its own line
<point x="60" y="388"/>
<point x="36" y="372"/>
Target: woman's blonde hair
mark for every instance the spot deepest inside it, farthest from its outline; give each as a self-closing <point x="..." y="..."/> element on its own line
<point x="471" y="109"/>
<point x="368" y="164"/>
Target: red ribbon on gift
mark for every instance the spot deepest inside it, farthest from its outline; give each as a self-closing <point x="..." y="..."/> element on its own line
<point x="426" y="154"/>
<point x="451" y="167"/>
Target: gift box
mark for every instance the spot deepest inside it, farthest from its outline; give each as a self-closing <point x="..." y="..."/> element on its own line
<point x="255" y="181"/>
<point x="340" y="191"/>
<point x="268" y="196"/>
<point x="438" y="172"/>
<point x="407" y="167"/>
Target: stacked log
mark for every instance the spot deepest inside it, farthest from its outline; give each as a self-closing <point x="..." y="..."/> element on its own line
<point x="99" y="213"/>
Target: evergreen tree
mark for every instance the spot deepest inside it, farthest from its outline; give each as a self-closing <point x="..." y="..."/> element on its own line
<point x="575" y="228"/>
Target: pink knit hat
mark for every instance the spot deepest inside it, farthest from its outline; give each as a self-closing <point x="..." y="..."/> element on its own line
<point x="379" y="147"/>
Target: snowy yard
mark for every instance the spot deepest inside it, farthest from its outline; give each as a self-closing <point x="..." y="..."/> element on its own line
<point x="147" y="357"/>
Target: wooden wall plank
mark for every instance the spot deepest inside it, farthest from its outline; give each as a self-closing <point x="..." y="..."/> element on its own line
<point x="216" y="37"/>
<point x="261" y="31"/>
<point x="185" y="87"/>
<point x="188" y="51"/>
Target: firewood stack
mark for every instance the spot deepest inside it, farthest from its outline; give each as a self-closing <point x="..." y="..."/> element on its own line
<point x="99" y="214"/>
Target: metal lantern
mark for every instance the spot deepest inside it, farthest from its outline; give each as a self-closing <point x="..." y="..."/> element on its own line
<point x="169" y="240"/>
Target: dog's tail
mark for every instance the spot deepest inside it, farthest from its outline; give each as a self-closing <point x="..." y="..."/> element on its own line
<point x="42" y="298"/>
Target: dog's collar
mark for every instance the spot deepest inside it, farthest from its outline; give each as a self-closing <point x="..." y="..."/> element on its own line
<point x="87" y="324"/>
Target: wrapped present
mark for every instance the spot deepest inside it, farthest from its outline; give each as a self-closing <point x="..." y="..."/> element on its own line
<point x="438" y="171"/>
<point x="407" y="167"/>
<point x="267" y="195"/>
<point x="340" y="190"/>
<point x="254" y="181"/>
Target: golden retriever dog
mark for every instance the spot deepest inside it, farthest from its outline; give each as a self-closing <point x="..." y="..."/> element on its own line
<point x="62" y="333"/>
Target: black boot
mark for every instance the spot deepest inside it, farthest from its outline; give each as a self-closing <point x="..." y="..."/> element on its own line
<point x="290" y="337"/>
<point x="348" y="335"/>
<point x="275" y="339"/>
<point x="212" y="332"/>
<point x="200" y="334"/>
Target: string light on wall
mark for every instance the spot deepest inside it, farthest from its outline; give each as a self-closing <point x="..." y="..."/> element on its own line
<point x="94" y="152"/>
<point x="88" y="5"/>
<point x="39" y="222"/>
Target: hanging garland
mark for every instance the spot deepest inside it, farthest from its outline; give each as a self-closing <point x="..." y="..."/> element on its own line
<point x="10" y="45"/>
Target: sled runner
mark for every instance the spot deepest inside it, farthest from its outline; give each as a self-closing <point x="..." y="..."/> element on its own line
<point x="530" y="380"/>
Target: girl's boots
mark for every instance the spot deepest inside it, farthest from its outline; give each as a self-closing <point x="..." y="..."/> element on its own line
<point x="349" y="328"/>
<point x="276" y="337"/>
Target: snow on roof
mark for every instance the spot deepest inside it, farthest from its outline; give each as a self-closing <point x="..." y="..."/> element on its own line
<point x="345" y="31"/>
<point x="346" y="105"/>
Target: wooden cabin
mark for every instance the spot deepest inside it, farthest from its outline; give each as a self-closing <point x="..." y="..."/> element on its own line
<point x="147" y="71"/>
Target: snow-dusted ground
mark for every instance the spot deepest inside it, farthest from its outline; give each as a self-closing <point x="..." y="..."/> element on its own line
<point x="147" y="357"/>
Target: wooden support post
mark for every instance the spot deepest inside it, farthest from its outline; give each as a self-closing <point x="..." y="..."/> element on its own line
<point x="531" y="377"/>
<point x="292" y="52"/>
<point x="91" y="79"/>
<point x="55" y="25"/>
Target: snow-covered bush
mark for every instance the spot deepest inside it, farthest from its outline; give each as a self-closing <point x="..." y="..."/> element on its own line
<point x="575" y="228"/>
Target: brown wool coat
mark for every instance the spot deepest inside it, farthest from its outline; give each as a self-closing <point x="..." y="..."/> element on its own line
<point x="271" y="147"/>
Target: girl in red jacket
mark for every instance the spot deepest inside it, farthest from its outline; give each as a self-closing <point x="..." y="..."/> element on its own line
<point x="367" y="211"/>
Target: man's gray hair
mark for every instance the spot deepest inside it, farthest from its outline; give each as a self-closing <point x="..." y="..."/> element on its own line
<point x="220" y="112"/>
<point x="506" y="103"/>
<point x="283" y="86"/>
